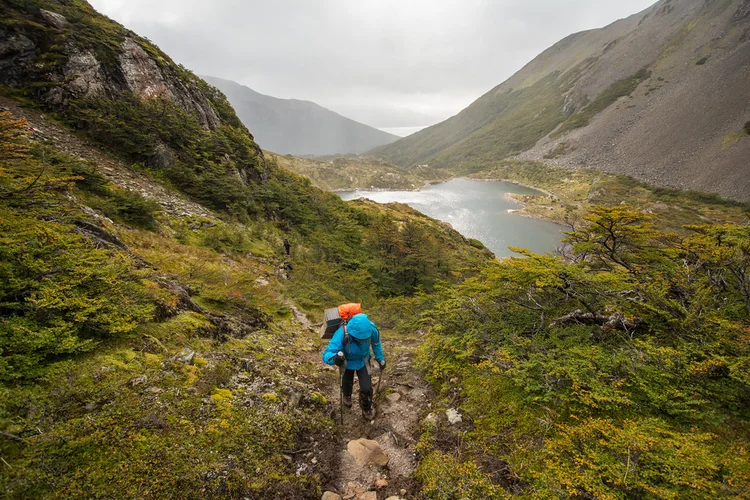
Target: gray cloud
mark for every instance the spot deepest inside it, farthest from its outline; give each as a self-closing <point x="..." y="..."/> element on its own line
<point x="388" y="63"/>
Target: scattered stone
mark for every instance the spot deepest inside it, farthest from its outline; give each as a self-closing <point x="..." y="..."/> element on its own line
<point x="262" y="281"/>
<point x="287" y="458"/>
<point x="54" y="19"/>
<point x="329" y="495"/>
<point x="367" y="451"/>
<point x="381" y="483"/>
<point x="154" y="390"/>
<point x="395" y="497"/>
<point x="369" y="495"/>
<point x="402" y="492"/>
<point x="453" y="416"/>
<point x="393" y="397"/>
<point x="138" y="380"/>
<point x="431" y="419"/>
<point x="314" y="461"/>
<point x="186" y="356"/>
<point x="91" y="407"/>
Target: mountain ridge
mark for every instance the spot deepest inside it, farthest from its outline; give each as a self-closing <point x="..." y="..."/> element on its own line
<point x="575" y="104"/>
<point x="295" y="126"/>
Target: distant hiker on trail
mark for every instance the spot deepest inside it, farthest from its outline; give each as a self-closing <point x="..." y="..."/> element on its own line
<point x="287" y="246"/>
<point x="350" y="351"/>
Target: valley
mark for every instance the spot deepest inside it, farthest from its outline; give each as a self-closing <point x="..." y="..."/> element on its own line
<point x="163" y="277"/>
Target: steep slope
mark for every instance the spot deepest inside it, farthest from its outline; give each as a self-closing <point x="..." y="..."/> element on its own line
<point x="291" y="126"/>
<point x="661" y="96"/>
<point x="153" y="342"/>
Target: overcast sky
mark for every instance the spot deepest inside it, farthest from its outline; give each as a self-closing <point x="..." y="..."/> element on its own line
<point x="387" y="63"/>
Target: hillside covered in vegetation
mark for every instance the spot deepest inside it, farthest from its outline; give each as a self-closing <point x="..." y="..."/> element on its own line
<point x="157" y="342"/>
<point x="153" y="342"/>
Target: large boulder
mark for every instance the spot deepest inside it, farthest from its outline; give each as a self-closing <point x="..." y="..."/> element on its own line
<point x="54" y="19"/>
<point x="367" y="452"/>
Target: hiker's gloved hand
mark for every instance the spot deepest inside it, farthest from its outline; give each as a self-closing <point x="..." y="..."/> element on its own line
<point x="382" y="365"/>
<point x="339" y="359"/>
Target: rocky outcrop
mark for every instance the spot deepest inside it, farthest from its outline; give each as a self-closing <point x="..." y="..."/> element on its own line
<point x="145" y="78"/>
<point x="85" y="75"/>
<point x="58" y="68"/>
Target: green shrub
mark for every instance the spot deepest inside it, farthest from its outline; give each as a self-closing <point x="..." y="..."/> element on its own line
<point x="606" y="375"/>
<point x="59" y="295"/>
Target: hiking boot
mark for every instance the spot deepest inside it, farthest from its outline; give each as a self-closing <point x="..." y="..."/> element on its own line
<point x="347" y="401"/>
<point x="368" y="414"/>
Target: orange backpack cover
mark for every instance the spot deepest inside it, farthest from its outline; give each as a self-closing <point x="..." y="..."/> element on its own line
<point x="346" y="311"/>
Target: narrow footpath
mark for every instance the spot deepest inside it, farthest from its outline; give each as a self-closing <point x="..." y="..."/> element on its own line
<point x="376" y="459"/>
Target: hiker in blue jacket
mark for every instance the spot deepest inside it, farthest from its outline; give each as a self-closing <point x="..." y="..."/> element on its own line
<point x="353" y="355"/>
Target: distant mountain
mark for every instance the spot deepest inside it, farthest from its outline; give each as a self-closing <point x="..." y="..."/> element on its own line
<point x="661" y="96"/>
<point x="291" y="126"/>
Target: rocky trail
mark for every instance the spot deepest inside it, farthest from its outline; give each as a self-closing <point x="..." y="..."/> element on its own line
<point x="375" y="460"/>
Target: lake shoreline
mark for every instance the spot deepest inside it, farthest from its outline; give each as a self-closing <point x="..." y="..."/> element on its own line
<point x="474" y="209"/>
<point x="521" y="211"/>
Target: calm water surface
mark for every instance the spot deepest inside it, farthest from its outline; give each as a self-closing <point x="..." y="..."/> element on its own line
<point x="479" y="210"/>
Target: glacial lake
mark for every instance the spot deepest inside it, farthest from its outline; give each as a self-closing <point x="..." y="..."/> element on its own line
<point x="477" y="209"/>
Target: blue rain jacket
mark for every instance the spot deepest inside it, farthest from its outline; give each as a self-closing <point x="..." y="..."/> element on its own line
<point x="362" y="335"/>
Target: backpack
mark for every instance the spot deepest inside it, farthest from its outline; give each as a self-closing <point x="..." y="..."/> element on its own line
<point x="335" y="315"/>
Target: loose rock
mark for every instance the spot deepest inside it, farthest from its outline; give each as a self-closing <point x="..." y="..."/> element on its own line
<point x="431" y="419"/>
<point x="393" y="397"/>
<point x="453" y="416"/>
<point x="329" y="495"/>
<point x="186" y="356"/>
<point x="370" y="495"/>
<point x="367" y="451"/>
<point x="381" y="483"/>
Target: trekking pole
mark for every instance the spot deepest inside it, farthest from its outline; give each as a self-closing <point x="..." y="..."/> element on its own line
<point x="380" y="378"/>
<point x="341" y="394"/>
<point x="342" y="370"/>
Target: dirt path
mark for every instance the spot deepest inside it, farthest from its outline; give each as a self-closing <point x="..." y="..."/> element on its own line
<point x="399" y="405"/>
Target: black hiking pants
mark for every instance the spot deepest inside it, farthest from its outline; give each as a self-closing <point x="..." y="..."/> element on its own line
<point x="365" y="386"/>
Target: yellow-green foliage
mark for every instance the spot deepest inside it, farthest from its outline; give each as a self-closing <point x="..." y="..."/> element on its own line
<point x="222" y="395"/>
<point x="444" y="477"/>
<point x="620" y="374"/>
<point x="270" y="397"/>
<point x="318" y="398"/>
<point x="59" y="294"/>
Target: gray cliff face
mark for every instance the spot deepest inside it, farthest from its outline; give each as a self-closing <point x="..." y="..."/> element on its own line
<point x="144" y="78"/>
<point x="80" y="72"/>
